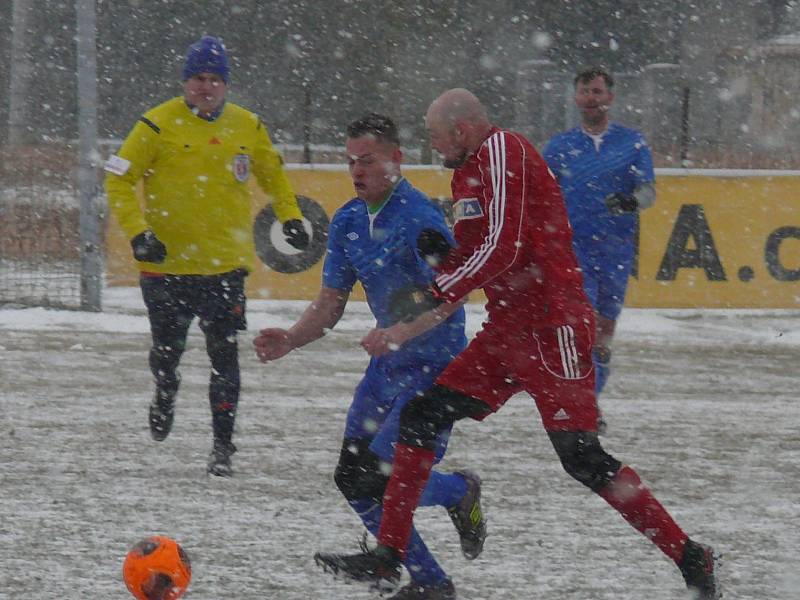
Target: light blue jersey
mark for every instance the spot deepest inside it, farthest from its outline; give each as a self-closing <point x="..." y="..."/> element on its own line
<point x="588" y="172"/>
<point x="381" y="254"/>
<point x="589" y="169"/>
<point x="379" y="251"/>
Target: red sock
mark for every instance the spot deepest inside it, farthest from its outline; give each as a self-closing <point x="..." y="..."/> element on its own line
<point x="638" y="506"/>
<point x="410" y="472"/>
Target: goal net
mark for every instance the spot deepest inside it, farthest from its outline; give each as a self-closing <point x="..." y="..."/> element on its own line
<point x="50" y="251"/>
<point x="40" y="262"/>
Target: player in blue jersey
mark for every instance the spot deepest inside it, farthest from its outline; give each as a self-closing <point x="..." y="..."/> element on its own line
<point x="373" y="240"/>
<point x="606" y="175"/>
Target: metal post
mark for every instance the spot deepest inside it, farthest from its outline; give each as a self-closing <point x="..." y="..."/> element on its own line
<point x="307" y="126"/>
<point x="684" y="144"/>
<point x="21" y="69"/>
<point x="91" y="258"/>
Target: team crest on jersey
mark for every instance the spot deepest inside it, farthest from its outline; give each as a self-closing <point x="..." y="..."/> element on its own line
<point x="241" y="167"/>
<point x="467" y="208"/>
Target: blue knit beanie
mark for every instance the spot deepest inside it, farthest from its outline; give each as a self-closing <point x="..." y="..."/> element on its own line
<point x="207" y="55"/>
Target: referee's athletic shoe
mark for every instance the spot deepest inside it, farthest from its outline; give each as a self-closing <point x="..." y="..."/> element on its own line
<point x="417" y="591"/>
<point x="468" y="517"/>
<point x="161" y="415"/>
<point x="219" y="461"/>
<point x="379" y="566"/>
<point x="698" y="566"/>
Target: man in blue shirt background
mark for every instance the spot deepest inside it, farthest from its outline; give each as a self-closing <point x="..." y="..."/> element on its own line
<point x="372" y="239"/>
<point x="606" y="175"/>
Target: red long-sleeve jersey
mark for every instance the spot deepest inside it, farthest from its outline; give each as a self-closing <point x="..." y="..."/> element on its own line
<point x="514" y="238"/>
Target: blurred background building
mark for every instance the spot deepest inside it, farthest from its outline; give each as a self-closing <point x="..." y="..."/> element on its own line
<point x="712" y="83"/>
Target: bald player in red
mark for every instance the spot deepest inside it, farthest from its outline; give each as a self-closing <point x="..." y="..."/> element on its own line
<point x="515" y="243"/>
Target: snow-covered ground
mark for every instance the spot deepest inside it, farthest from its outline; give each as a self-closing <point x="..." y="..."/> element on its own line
<point x="704" y="404"/>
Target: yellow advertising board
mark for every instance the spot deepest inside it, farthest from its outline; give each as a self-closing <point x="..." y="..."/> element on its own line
<point x="725" y="239"/>
<point x="714" y="239"/>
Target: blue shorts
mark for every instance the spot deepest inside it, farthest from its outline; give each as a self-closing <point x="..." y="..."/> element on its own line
<point x="380" y="396"/>
<point x="605" y="279"/>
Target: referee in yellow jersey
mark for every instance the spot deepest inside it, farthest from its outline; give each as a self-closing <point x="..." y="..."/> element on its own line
<point x="193" y="242"/>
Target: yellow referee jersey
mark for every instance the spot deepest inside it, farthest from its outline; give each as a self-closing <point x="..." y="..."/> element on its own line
<point x="195" y="174"/>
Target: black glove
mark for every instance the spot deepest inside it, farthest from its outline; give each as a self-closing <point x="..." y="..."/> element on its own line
<point x="148" y="248"/>
<point x="619" y="203"/>
<point x="432" y="246"/>
<point x="295" y="234"/>
<point x="407" y="303"/>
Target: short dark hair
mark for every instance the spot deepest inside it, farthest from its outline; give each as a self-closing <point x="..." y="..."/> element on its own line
<point x="380" y="126"/>
<point x="586" y="75"/>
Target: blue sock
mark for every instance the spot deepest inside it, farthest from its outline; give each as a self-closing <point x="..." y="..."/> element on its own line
<point x="443" y="489"/>
<point x="602" y="370"/>
<point x="419" y="561"/>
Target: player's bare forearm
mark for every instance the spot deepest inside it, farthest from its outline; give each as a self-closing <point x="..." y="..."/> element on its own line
<point x="430" y="319"/>
<point x="319" y="317"/>
<point x="381" y="341"/>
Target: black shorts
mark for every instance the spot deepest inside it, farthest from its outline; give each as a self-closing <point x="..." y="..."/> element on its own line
<point x="217" y="300"/>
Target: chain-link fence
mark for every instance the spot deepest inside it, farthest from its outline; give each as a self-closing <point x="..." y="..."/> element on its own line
<point x="39" y="227"/>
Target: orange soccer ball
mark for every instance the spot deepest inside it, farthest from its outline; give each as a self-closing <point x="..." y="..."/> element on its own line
<point x="157" y="568"/>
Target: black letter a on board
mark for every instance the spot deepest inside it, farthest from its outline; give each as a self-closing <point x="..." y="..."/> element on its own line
<point x="691" y="222"/>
